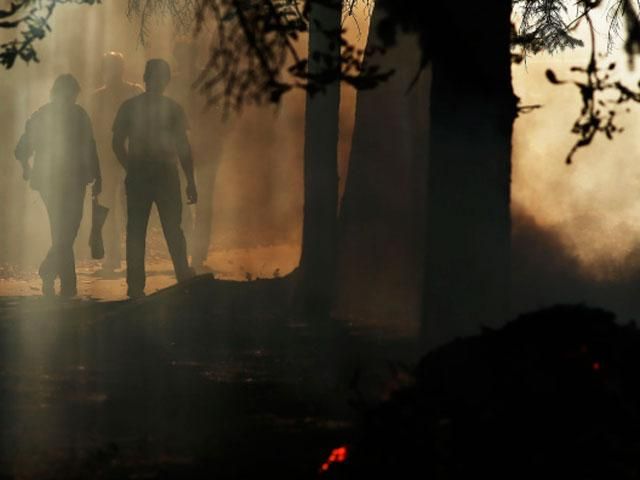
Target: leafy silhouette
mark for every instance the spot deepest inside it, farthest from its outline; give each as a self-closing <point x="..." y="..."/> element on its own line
<point x="255" y="48"/>
<point x="30" y="18"/>
<point x="602" y="98"/>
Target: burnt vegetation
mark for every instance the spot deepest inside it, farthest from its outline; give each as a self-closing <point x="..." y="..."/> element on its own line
<point x="554" y="390"/>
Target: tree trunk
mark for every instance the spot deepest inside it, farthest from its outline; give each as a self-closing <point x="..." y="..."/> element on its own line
<point x="468" y="220"/>
<point x="317" y="262"/>
<point x="381" y="244"/>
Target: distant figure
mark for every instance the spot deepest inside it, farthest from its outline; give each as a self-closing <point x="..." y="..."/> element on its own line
<point x="156" y="129"/>
<point x="207" y="138"/>
<point x="104" y="105"/>
<point x="61" y="136"/>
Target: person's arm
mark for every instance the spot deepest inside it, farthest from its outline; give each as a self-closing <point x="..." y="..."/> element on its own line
<point x="186" y="159"/>
<point x="25" y="149"/>
<point x="118" y="143"/>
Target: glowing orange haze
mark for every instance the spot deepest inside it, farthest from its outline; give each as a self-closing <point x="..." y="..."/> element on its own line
<point x="592" y="205"/>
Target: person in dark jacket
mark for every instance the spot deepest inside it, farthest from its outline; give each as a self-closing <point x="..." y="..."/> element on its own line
<point x="60" y="137"/>
<point x="149" y="132"/>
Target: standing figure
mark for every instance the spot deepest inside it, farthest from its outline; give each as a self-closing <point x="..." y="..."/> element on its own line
<point x="104" y="104"/>
<point x="208" y="147"/>
<point x="206" y="138"/>
<point x="61" y="136"/>
<point x="156" y="130"/>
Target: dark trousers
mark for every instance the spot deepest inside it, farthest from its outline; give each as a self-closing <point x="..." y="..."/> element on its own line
<point x="64" y="206"/>
<point x="204" y="212"/>
<point x="112" y="197"/>
<point x="147" y="184"/>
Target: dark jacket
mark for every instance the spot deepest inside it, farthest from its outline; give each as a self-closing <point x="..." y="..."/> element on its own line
<point x="61" y="136"/>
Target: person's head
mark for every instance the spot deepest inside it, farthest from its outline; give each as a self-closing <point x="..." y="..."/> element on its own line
<point x="157" y="75"/>
<point x="65" y="89"/>
<point x="112" y="67"/>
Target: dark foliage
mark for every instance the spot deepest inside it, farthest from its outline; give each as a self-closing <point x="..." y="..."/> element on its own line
<point x="554" y="393"/>
<point x="254" y="55"/>
<point x="544" y="25"/>
<point x="30" y="19"/>
<point x="255" y="50"/>
<point x="602" y="99"/>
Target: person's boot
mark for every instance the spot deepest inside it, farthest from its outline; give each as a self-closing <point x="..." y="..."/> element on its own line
<point x="134" y="293"/>
<point x="48" y="287"/>
<point x="186" y="274"/>
<point x="68" y="292"/>
<point x="68" y="282"/>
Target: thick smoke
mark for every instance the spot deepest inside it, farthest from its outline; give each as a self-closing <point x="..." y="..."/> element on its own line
<point x="576" y="227"/>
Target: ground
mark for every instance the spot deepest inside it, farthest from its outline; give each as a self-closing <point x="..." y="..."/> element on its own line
<point x="227" y="264"/>
<point x="212" y="379"/>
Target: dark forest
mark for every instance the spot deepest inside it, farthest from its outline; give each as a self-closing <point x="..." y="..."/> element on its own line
<point x="319" y="239"/>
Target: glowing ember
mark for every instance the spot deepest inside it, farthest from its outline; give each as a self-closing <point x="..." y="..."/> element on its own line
<point x="338" y="455"/>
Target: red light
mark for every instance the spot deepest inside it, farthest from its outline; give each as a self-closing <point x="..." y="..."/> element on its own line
<point x="338" y="455"/>
<point x="596" y="366"/>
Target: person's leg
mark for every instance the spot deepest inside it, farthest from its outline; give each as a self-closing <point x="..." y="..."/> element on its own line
<point x="187" y="220"/>
<point x="48" y="270"/>
<point x="139" y="202"/>
<point x="111" y="190"/>
<point x="204" y="213"/>
<point x="72" y="204"/>
<point x="169" y="202"/>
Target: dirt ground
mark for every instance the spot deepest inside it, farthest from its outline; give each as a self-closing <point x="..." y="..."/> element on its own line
<point x="226" y="264"/>
<point x="210" y="379"/>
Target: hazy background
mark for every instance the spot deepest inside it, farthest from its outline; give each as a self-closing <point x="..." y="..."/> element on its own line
<point x="258" y="194"/>
<point x="573" y="225"/>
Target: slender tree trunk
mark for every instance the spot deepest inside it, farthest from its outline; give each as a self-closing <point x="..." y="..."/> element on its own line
<point x="468" y="220"/>
<point x="381" y="241"/>
<point x="317" y="263"/>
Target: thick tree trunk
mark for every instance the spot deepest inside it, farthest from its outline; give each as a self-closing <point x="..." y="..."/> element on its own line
<point x="468" y="221"/>
<point x="317" y="262"/>
<point x="381" y="243"/>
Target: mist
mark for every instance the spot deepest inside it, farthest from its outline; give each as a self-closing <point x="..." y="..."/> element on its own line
<point x="258" y="192"/>
<point x="585" y="215"/>
<point x="576" y="228"/>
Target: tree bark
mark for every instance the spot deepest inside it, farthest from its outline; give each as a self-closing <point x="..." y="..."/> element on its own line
<point x="381" y="243"/>
<point x="468" y="219"/>
<point x="317" y="262"/>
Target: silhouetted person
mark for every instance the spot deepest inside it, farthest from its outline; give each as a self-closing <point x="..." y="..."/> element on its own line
<point x="104" y="105"/>
<point x="156" y="130"/>
<point x="206" y="134"/>
<point x="61" y="136"/>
